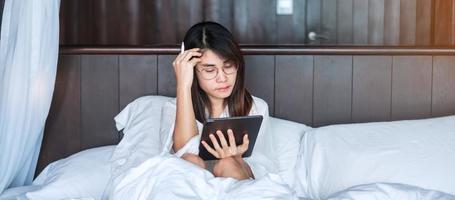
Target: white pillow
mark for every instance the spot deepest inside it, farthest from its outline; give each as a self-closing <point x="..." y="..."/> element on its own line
<point x="82" y="175"/>
<point x="389" y="191"/>
<point x="414" y="152"/>
<point x="140" y="122"/>
<point x="286" y="143"/>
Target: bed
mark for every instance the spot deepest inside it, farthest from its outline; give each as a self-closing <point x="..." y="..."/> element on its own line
<point x="328" y="151"/>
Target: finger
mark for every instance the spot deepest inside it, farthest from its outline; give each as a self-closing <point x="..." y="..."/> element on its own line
<point x="194" y="61"/>
<point x="194" y="49"/>
<point x="244" y="146"/>
<point x="180" y="56"/>
<point x="215" y="143"/>
<point x="210" y="149"/>
<point x="231" y="138"/>
<point x="190" y="54"/>
<point x="222" y="139"/>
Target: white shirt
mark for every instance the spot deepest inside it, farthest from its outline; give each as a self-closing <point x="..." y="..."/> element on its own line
<point x="261" y="159"/>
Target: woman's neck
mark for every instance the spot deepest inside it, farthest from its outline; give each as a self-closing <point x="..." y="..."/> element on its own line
<point x="217" y="107"/>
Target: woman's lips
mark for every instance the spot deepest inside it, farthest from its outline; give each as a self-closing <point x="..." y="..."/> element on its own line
<point x="222" y="89"/>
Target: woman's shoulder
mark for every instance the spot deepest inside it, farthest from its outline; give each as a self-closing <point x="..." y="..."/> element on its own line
<point x="259" y="105"/>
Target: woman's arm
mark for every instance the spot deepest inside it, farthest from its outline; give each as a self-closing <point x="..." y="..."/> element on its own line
<point x="185" y="120"/>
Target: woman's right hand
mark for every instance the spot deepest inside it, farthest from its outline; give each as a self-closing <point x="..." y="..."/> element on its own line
<point x="184" y="65"/>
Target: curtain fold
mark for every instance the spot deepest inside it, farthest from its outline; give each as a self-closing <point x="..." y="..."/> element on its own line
<point x="28" y="64"/>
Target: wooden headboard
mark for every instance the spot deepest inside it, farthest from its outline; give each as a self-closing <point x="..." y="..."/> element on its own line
<point x="316" y="86"/>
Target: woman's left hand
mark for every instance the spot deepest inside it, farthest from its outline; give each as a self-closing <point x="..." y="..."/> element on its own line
<point x="225" y="150"/>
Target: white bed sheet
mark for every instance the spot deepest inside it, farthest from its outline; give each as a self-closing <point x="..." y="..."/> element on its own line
<point x="169" y="177"/>
<point x="18" y="193"/>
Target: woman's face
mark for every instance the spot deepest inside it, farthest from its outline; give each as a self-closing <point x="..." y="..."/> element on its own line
<point x="216" y="76"/>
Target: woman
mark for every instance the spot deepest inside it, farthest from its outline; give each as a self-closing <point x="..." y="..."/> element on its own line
<point x="210" y="84"/>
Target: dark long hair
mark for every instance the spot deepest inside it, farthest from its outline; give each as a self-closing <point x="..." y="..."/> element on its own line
<point x="213" y="36"/>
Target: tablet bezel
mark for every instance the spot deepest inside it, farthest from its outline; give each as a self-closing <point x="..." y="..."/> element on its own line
<point x="250" y="124"/>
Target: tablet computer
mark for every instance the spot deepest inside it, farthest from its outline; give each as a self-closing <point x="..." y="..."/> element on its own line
<point x="239" y="125"/>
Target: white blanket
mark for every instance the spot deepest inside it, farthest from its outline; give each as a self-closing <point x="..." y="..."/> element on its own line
<point x="169" y="177"/>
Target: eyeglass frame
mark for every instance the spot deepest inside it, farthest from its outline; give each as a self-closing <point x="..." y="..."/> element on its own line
<point x="217" y="71"/>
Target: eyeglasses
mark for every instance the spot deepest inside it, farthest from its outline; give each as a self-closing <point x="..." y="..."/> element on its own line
<point x="210" y="72"/>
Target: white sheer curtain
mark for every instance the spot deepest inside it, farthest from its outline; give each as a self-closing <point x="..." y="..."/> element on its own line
<point x="28" y="63"/>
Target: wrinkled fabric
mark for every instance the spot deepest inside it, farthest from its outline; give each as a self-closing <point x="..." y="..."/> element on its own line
<point x="28" y="64"/>
<point x="261" y="160"/>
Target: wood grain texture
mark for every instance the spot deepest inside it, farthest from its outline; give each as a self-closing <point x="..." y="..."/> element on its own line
<point x="371" y="88"/>
<point x="360" y="22"/>
<point x="255" y="21"/>
<point x="99" y="100"/>
<point x="392" y="22"/>
<point x="138" y="76"/>
<point x="411" y="87"/>
<point x="444" y="22"/>
<point x="332" y="90"/>
<point x="408" y="10"/>
<point x="62" y="129"/>
<point x="423" y="24"/>
<point x="291" y="28"/>
<point x="443" y="102"/>
<point x="259" y="78"/>
<point x="166" y="77"/>
<point x="329" y="21"/>
<point x="345" y="21"/>
<point x="376" y="22"/>
<point x="219" y="11"/>
<point x="294" y="88"/>
<point x="313" y="20"/>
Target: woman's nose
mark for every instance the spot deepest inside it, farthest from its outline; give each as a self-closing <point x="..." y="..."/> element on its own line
<point x="221" y="76"/>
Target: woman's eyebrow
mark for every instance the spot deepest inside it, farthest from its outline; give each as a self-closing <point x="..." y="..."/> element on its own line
<point x="208" y="65"/>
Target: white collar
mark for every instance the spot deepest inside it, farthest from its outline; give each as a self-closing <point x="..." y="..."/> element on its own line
<point x="225" y="112"/>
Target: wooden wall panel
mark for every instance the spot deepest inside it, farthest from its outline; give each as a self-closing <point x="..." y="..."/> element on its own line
<point x="138" y="76"/>
<point x="166" y="77"/>
<point x="172" y="18"/>
<point x="260" y="78"/>
<point x="291" y="28"/>
<point x="255" y="21"/>
<point x="444" y="19"/>
<point x="408" y="22"/>
<point x="443" y="85"/>
<point x="164" y="22"/>
<point x="99" y="100"/>
<point x="329" y="21"/>
<point x="313" y="20"/>
<point x="345" y="21"/>
<point x="62" y="130"/>
<point x="294" y="88"/>
<point x="78" y="27"/>
<point x="392" y="22"/>
<point x="371" y="88"/>
<point x="360" y="22"/>
<point x="423" y="25"/>
<point x="219" y="11"/>
<point x="411" y="87"/>
<point x="188" y="13"/>
<point x="332" y="90"/>
<point x="376" y="22"/>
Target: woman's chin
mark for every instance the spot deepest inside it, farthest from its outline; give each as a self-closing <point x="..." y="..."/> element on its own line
<point x="221" y="94"/>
